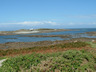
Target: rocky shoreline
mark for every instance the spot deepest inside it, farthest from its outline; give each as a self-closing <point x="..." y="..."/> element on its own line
<point x="91" y="33"/>
<point x="20" y="45"/>
<point x="61" y="36"/>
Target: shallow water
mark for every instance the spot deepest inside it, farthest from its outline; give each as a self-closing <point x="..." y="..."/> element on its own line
<point x="75" y="34"/>
<point x="25" y="39"/>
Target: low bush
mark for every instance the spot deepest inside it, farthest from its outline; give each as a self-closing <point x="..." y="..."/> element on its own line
<point x="35" y="49"/>
<point x="68" y="61"/>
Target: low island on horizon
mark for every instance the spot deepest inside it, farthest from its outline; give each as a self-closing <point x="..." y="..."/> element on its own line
<point x="30" y="31"/>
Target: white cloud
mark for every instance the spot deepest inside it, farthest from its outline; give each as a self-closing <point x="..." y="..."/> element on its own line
<point x="50" y="23"/>
<point x="77" y="24"/>
<point x="33" y="23"/>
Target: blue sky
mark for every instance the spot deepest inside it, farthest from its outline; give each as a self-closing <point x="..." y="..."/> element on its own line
<point x="20" y="14"/>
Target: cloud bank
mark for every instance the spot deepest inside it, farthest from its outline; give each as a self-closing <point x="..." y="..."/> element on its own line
<point x="34" y="23"/>
<point x="46" y="24"/>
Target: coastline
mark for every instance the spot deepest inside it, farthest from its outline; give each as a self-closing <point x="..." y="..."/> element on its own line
<point x="24" y="31"/>
<point x="21" y="45"/>
<point x="18" y="45"/>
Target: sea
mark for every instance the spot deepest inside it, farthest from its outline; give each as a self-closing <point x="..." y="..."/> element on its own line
<point x="75" y="33"/>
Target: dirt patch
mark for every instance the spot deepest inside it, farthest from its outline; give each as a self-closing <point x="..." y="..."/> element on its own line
<point x="84" y="62"/>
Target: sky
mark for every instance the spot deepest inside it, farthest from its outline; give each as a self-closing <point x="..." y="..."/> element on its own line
<point x="26" y="14"/>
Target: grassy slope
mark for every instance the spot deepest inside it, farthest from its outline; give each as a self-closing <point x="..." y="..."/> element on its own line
<point x="67" y="61"/>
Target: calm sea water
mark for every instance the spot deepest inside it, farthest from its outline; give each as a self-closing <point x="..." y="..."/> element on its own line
<point x="17" y="38"/>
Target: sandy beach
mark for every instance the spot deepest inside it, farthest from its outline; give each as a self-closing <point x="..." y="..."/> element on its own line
<point x="26" y="32"/>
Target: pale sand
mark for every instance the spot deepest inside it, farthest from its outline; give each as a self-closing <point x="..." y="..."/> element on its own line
<point x="26" y="32"/>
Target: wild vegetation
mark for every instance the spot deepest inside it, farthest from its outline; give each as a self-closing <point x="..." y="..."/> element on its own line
<point x="68" y="61"/>
<point x="92" y="44"/>
<point x="43" y="48"/>
<point x="82" y="60"/>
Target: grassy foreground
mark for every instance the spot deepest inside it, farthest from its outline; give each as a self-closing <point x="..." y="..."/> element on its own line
<point x="68" y="61"/>
<point x="64" y="61"/>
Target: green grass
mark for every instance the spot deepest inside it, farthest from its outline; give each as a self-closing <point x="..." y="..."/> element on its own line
<point x="2" y="58"/>
<point x="68" y="61"/>
<point x="93" y="45"/>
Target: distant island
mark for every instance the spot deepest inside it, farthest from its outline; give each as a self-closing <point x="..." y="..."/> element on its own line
<point x="29" y="31"/>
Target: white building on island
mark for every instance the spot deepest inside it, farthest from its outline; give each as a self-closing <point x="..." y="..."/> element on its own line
<point x="31" y="29"/>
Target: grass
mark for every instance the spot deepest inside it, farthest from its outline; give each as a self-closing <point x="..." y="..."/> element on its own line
<point x="93" y="45"/>
<point x="2" y="58"/>
<point x="68" y="61"/>
<point x="44" y="48"/>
